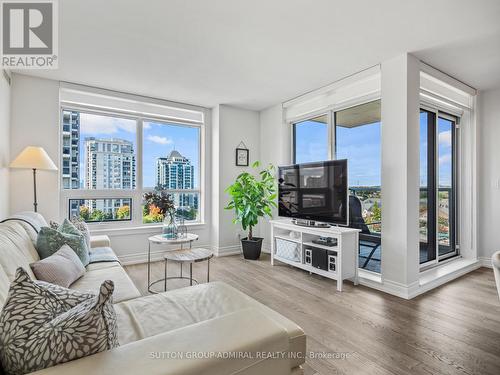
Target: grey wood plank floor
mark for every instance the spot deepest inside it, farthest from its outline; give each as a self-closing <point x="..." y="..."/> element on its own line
<point x="454" y="329"/>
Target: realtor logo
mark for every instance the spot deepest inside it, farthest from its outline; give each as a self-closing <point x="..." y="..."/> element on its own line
<point x="29" y="34"/>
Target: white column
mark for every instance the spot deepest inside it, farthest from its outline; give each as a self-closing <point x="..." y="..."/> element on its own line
<point x="400" y="174"/>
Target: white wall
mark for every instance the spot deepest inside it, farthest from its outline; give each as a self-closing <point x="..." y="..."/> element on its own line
<point x="400" y="172"/>
<point x="489" y="174"/>
<point x="5" y="94"/>
<point x="230" y="126"/>
<point x="275" y="148"/>
<point x="35" y="122"/>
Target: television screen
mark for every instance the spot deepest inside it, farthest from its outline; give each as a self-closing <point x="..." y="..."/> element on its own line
<point x="314" y="191"/>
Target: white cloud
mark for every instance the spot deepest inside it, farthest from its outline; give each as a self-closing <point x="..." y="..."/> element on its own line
<point x="146" y="125"/>
<point x="96" y="124"/>
<point x="445" y="138"/>
<point x="159" y="140"/>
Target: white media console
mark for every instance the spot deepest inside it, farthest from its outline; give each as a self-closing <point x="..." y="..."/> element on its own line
<point x="293" y="244"/>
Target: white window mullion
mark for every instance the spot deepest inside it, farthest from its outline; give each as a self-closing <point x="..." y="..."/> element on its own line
<point x="137" y="201"/>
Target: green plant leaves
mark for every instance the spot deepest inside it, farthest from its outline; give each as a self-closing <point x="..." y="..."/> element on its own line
<point x="252" y="197"/>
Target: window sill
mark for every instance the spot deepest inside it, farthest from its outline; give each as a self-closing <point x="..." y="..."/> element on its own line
<point x="96" y="229"/>
<point x="445" y="271"/>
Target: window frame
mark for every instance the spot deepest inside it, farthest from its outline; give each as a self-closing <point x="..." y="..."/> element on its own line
<point x="331" y="113"/>
<point x="455" y="118"/>
<point x="136" y="219"/>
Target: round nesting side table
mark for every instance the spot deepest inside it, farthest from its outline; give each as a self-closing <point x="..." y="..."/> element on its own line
<point x="159" y="239"/>
<point x="188" y="256"/>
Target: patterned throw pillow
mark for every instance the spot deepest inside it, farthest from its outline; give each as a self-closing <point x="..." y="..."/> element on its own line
<point x="79" y="224"/>
<point x="50" y="240"/>
<point x="82" y="226"/>
<point x="54" y="224"/>
<point x="42" y="325"/>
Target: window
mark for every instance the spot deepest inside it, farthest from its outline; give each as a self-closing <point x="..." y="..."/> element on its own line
<point x="171" y="162"/>
<point x="356" y="137"/>
<point x="99" y="210"/>
<point x="437" y="186"/>
<point x="104" y="156"/>
<point x="310" y="139"/>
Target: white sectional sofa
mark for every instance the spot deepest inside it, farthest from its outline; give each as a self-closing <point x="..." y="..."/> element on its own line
<point x="205" y="329"/>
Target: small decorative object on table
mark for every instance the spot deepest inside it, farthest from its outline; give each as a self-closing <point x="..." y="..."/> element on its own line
<point x="181" y="227"/>
<point x="169" y="225"/>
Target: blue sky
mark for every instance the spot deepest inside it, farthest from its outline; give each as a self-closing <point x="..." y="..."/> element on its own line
<point x="159" y="140"/>
<point x="360" y="145"/>
<point x="444" y="151"/>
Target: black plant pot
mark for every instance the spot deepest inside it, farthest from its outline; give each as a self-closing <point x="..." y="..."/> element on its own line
<point x="251" y="248"/>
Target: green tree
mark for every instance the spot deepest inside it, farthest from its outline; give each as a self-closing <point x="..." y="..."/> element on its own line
<point x="123" y="213"/>
<point x="84" y="213"/>
<point x="97" y="215"/>
<point x="376" y="212"/>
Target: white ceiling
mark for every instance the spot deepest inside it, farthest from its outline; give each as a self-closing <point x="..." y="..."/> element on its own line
<point x="256" y="53"/>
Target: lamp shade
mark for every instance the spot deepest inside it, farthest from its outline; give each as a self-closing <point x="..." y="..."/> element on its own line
<point x="33" y="158"/>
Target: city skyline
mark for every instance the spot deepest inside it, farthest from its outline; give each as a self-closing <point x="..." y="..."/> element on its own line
<point x="159" y="140"/>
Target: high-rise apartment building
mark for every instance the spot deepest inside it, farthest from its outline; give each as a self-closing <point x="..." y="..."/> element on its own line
<point x="109" y="164"/>
<point x="175" y="172"/>
<point x="71" y="156"/>
<point x="71" y="150"/>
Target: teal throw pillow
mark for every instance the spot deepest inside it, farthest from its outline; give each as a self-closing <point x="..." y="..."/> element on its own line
<point x="50" y="240"/>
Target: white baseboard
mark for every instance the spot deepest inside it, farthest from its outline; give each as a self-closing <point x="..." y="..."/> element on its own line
<point x="460" y="268"/>
<point x="430" y="281"/>
<point x="391" y="287"/>
<point x="485" y="262"/>
<point x="227" y="250"/>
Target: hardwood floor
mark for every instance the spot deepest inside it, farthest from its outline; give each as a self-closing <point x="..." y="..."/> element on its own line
<point x="454" y="329"/>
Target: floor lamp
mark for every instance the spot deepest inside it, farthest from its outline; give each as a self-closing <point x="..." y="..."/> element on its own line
<point x="34" y="158"/>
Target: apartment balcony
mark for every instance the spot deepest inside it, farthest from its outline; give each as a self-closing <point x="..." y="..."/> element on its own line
<point x="445" y="208"/>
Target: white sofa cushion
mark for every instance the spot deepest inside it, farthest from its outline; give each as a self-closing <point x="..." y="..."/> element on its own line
<point x="245" y="331"/>
<point x="99" y="241"/>
<point x="16" y="249"/>
<point x="94" y="277"/>
<point x="163" y="312"/>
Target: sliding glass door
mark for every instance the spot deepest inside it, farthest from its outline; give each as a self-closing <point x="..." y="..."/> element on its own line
<point x="354" y="134"/>
<point x="358" y="139"/>
<point x="437" y="221"/>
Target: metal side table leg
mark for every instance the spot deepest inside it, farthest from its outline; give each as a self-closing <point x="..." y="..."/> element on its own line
<point x="191" y="274"/>
<point x="165" y="275"/>
<point x="149" y="264"/>
<point x="208" y="271"/>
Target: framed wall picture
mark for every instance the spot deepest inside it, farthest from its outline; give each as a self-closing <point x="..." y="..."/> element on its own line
<point x="242" y="157"/>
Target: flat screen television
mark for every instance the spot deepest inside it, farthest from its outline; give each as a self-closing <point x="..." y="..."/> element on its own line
<point x="314" y="191"/>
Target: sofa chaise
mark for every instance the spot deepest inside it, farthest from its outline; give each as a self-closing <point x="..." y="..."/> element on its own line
<point x="205" y="329"/>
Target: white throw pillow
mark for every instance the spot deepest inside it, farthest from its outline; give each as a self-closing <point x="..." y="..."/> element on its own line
<point x="62" y="268"/>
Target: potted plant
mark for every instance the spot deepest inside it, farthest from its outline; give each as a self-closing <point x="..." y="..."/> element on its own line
<point x="252" y="198"/>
